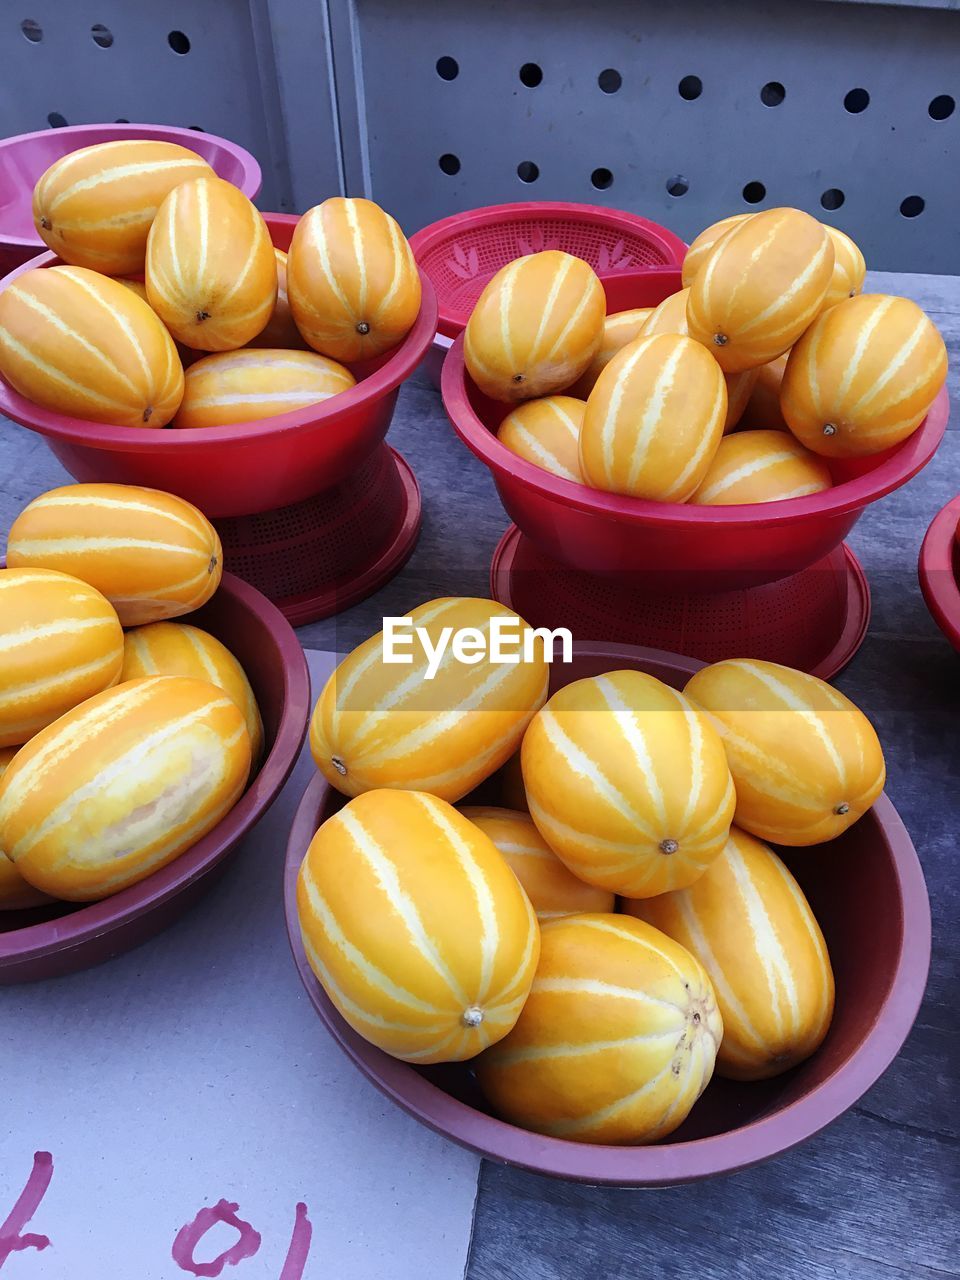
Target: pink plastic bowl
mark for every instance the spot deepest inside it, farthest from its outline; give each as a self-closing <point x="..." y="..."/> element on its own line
<point x="880" y="959"/>
<point x="940" y="571"/>
<point x="50" y="941"/>
<point x="713" y="548"/>
<point x="249" y="468"/>
<point x="25" y="157"/>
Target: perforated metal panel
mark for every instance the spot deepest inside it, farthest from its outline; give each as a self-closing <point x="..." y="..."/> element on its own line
<point x="682" y="112"/>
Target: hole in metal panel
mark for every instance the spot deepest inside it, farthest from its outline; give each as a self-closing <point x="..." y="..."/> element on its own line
<point x="856" y="100"/>
<point x="102" y="35"/>
<point x="56" y="120"/>
<point x="197" y="128"/>
<point x="772" y="93"/>
<point x="754" y="192"/>
<point x="690" y="87"/>
<point x="32" y="30"/>
<point x="178" y="42"/>
<point x="610" y="80"/>
<point x="941" y="107"/>
<point x="832" y="198"/>
<point x="448" y="68"/>
<point x="449" y="163"/>
<point x="602" y="179"/>
<point x="678" y="186"/>
<point x="121" y="120"/>
<point x="527" y="171"/>
<point x="530" y="75"/>
<point x="912" y="206"/>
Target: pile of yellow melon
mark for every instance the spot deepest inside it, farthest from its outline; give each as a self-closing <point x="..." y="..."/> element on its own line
<point x="769" y="332"/>
<point x="165" y="262"/>
<point x="602" y="946"/>
<point x="118" y="749"/>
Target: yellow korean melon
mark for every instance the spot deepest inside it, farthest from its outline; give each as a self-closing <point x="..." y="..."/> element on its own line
<point x="553" y="890"/>
<point x="616" y="1041"/>
<point x="352" y="279"/>
<point x="702" y="245"/>
<point x="619" y="328"/>
<point x="654" y="420"/>
<point x="152" y="554"/>
<point x="761" y="466"/>
<point x="15" y="893"/>
<point x="536" y="327"/>
<point x="628" y="783"/>
<point x="384" y="724"/>
<point x="547" y="433"/>
<point x="178" y="649"/>
<point x="748" y="923"/>
<point x="762" y="411"/>
<point x="415" y="927"/>
<point x="863" y="376"/>
<point x="94" y="206"/>
<point x="246" y="386"/>
<point x="849" y="269"/>
<point x="121" y="785"/>
<point x="79" y="343"/>
<point x="60" y="642"/>
<point x="281" y="330"/>
<point x="760" y="287"/>
<point x="211" y="271"/>
<point x="806" y="762"/>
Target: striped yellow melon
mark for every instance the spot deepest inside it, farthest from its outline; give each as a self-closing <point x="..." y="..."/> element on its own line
<point x="177" y="649"/>
<point x="617" y="1040"/>
<point x="863" y="376"/>
<point x="806" y="762"/>
<point x="60" y="642"/>
<point x="750" y="926"/>
<point x="553" y="890"/>
<point x="761" y="466"/>
<point x="415" y="926"/>
<point x="245" y="386"/>
<point x="94" y="206"/>
<point x="352" y="280"/>
<point x="121" y="785"/>
<point x="281" y="330"/>
<point x="849" y="269"/>
<point x="654" y="419"/>
<point x="618" y="329"/>
<point x="82" y="344"/>
<point x="761" y="287"/>
<point x="628" y="783"/>
<point x="536" y="327"/>
<point x="379" y="724"/>
<point x="15" y="893"/>
<point x="547" y="433"/>
<point x="153" y="555"/>
<point x="762" y="411"/>
<point x="211" y="272"/>
<point x="703" y="244"/>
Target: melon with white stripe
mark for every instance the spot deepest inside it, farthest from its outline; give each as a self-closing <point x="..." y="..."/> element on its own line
<point x="628" y="783"/>
<point x="384" y="724"/>
<point x="536" y="327"/>
<point x="245" y="386"/>
<point x="806" y="762"/>
<point x="617" y="1040"/>
<point x="863" y="376"/>
<point x="60" y="642"/>
<point x="281" y="329"/>
<point x="618" y="329"/>
<point x="849" y="269"/>
<point x="761" y="466"/>
<point x="654" y="420"/>
<point x="79" y="343"/>
<point x="748" y="923"/>
<point x="762" y="411"/>
<point x="547" y="433"/>
<point x="152" y="554"/>
<point x="760" y="287"/>
<point x="211" y="271"/>
<point x="94" y="206"/>
<point x="121" y="785"/>
<point x="415" y="926"/>
<point x="352" y="279"/>
<point x="702" y="245"/>
<point x="178" y="649"/>
<point x="553" y="890"/>
<point x="15" y="893"/>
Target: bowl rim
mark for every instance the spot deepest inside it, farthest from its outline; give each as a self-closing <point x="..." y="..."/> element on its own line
<point x="897" y="467"/>
<point x="250" y="183"/>
<point x="91" y="919"/>
<point x="936" y="571"/>
<point x="399" y="364"/>
<point x="653" y="1165"/>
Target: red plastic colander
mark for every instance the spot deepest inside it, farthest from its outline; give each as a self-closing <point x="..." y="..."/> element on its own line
<point x="940" y="571"/>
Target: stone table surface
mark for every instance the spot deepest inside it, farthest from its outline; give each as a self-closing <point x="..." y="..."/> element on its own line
<point x="874" y="1197"/>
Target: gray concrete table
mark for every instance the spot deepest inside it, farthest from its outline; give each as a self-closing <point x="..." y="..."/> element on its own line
<point x="874" y="1197"/>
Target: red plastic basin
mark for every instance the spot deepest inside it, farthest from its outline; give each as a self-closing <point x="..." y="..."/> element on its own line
<point x="940" y="571"/>
<point x="880" y="960"/>
<point x="252" y="467"/>
<point x="25" y="157"/>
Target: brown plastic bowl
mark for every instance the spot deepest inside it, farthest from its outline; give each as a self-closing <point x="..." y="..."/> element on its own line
<point x="868" y="893"/>
<point x="50" y="941"/>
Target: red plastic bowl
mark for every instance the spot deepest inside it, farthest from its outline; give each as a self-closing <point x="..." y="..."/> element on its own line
<point x="940" y="571"/>
<point x="25" y="157"/>
<point x="54" y="940"/>
<point x="249" y="468"/>
<point x="880" y="961"/>
<point x="677" y="546"/>
<point x="461" y="253"/>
